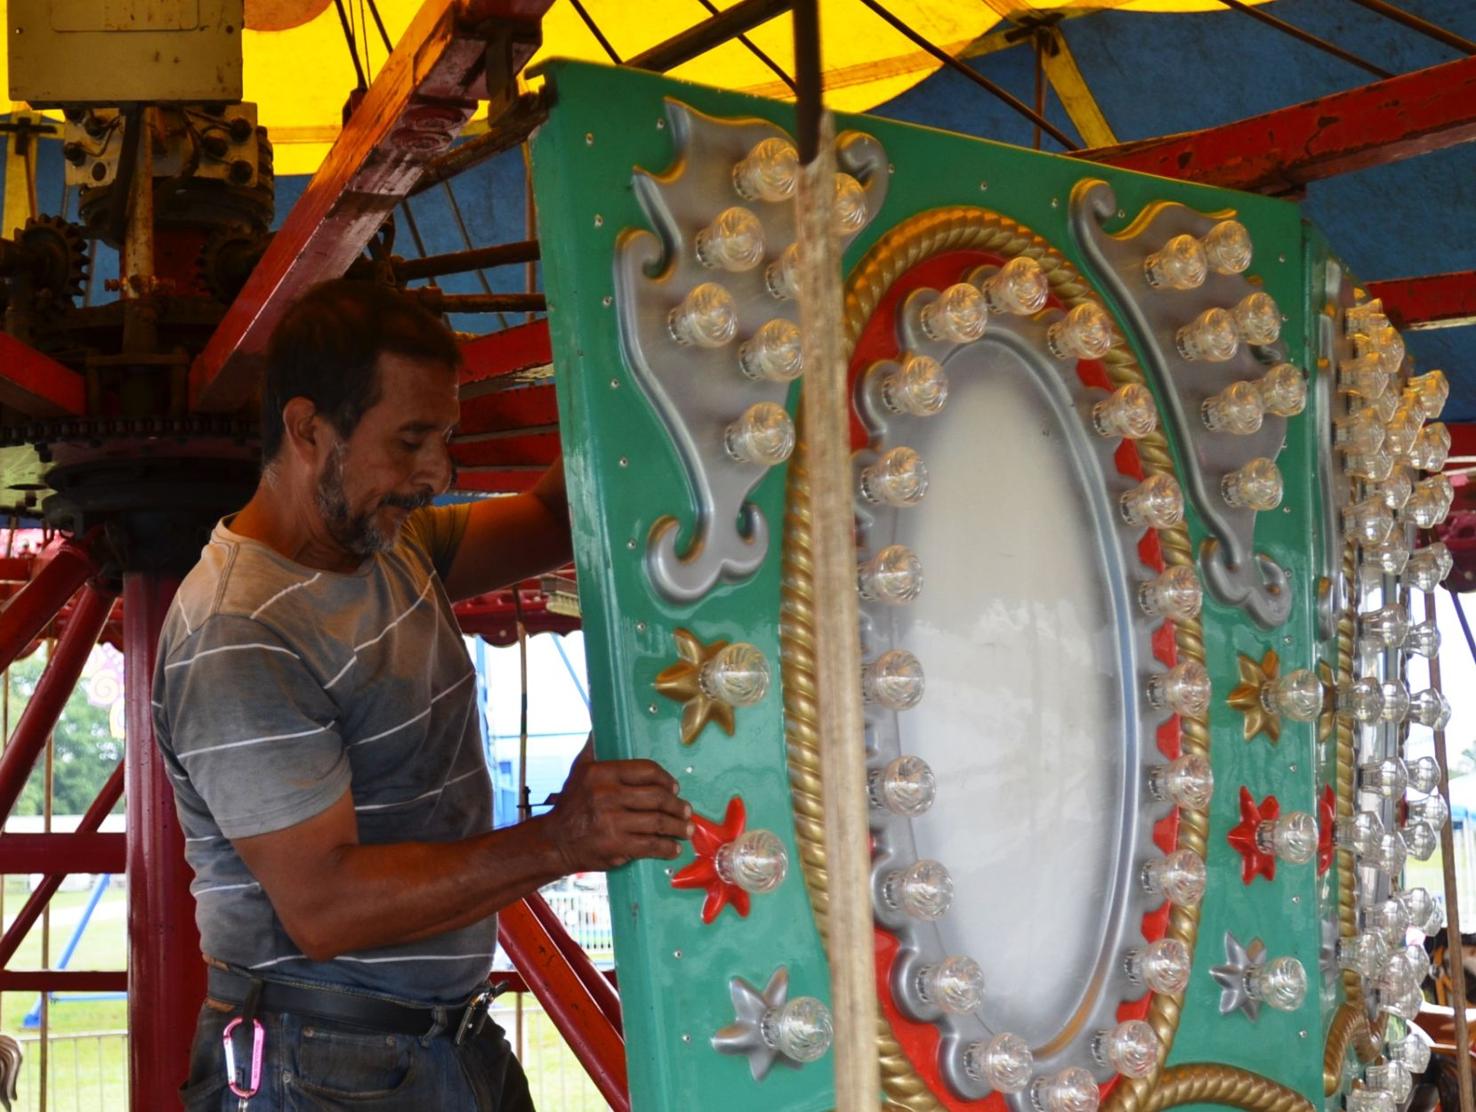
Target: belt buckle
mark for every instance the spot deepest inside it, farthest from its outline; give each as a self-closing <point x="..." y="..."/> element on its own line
<point x="474" y="1016"/>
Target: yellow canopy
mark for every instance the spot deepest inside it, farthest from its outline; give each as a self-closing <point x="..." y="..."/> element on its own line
<point x="297" y="67"/>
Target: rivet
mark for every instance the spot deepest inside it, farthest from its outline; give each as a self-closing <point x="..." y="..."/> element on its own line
<point x="599" y="221"/>
<point x="589" y="138"/>
<point x="631" y="544"/>
<point x="1055" y="202"/>
<point x="1301" y="1034"/>
<point x="660" y="125"/>
<point x="1291" y="768"/>
<point x="623" y="461"/>
<point x="1296" y="899"/>
<point x="640" y="627"/>
<point x="677" y="954"/>
<point x="983" y="186"/>
<point x="607" y="301"/>
<point x="1282" y="259"/>
<point x="687" y="1039"/>
<point x="651" y="708"/>
<point x="614" y="384"/>
<point x="689" y="770"/>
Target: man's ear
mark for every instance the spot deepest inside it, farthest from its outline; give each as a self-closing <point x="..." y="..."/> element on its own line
<point x="303" y="429"/>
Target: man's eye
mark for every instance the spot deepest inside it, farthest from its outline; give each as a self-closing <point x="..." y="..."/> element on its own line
<point x="411" y="445"/>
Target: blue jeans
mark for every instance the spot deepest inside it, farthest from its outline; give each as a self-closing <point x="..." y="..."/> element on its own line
<point x="314" y="1066"/>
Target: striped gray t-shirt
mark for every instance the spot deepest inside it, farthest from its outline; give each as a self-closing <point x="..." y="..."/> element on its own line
<point x="277" y="688"/>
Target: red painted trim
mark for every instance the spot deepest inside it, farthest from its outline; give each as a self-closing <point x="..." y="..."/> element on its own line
<point x="506" y="352"/>
<point x="600" y="988"/>
<point x="1434" y="301"/>
<point x="1281" y="151"/>
<point x="65" y="853"/>
<point x="38" y="385"/>
<point x="63" y="980"/>
<point x="1462" y="440"/>
<point x="599" y="1048"/>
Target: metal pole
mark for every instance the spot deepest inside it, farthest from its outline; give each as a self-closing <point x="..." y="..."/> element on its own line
<point x="826" y="420"/>
<point x="136" y="262"/>
<point x="40" y="600"/>
<point x="1453" y="949"/>
<point x="53" y="690"/>
<point x="166" y="978"/>
<point x="599" y="986"/>
<point x="477" y="258"/>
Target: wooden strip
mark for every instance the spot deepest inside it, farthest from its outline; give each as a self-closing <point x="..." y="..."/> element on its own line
<point x="1434" y="301"/>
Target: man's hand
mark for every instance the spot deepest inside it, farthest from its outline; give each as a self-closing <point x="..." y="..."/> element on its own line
<point x="610" y="812"/>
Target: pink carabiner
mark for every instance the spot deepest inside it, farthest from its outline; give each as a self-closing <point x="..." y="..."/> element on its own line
<point x="258" y="1040"/>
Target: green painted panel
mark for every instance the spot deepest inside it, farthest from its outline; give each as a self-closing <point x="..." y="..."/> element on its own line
<point x="624" y="474"/>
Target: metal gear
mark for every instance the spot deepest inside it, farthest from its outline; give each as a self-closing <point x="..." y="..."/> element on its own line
<point x="58" y="251"/>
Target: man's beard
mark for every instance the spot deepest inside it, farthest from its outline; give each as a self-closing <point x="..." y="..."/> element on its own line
<point x="359" y="534"/>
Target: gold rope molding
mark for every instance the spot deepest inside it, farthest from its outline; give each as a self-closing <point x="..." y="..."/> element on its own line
<point x="913" y="241"/>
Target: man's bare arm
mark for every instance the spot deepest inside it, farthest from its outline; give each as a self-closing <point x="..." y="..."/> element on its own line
<point x="334" y="895"/>
<point x="509" y="539"/>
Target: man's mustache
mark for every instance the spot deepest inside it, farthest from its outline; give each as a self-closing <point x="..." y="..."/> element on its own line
<point x="408" y="501"/>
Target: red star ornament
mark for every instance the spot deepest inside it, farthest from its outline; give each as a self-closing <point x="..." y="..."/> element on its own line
<point x="707" y="838"/>
<point x="1243" y="836"/>
<point x="1327" y="813"/>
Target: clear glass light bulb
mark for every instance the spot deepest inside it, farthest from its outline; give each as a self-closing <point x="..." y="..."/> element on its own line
<point x="1405" y="1007"/>
<point x="1396" y="701"/>
<point x="1403" y="428"/>
<point x="1388" y="919"/>
<point x="1424" y="774"/>
<point x="801" y="1030"/>
<point x="1364" y="954"/>
<point x="1259" y="318"/>
<point x="1297" y="695"/>
<point x="1180" y="264"/>
<point x="1358" y="832"/>
<point x="1256" y="486"/>
<point x="1283" y="390"/>
<point x="1174" y="594"/>
<point x="1360" y="433"/>
<point x="781" y="277"/>
<point x="1390" y="557"/>
<point x="1420" y="840"/>
<point x="1162" y="966"/>
<point x="1083" y="333"/>
<point x="1373" y="466"/>
<point x="1157" y="502"/>
<point x="1368" y="1100"/>
<point x="737" y="675"/>
<point x="1363" y="375"/>
<point x="894" y="680"/>
<point x="776" y="352"/>
<point x="1281" y="984"/>
<point x="955" y="984"/>
<point x="1227" y="246"/>
<point x="1428" y="567"/>
<point x="1429" y="708"/>
<point x="1429" y="502"/>
<point x="1430" y="810"/>
<point x="1396" y="489"/>
<point x="1186" y="781"/>
<point x="919" y="386"/>
<point x="1423" y="639"/>
<point x="1130" y="1048"/>
<point x="755" y="861"/>
<point x="1425" y="914"/>
<point x="1429" y="391"/>
<point x="1291" y="837"/>
<point x="1412" y="1052"/>
<point x="1361" y="700"/>
<point x="1385" y="627"/>
<point x="1383" y="341"/>
<point x="1416" y="959"/>
<point x="1071" y="1090"/>
<point x="923" y="890"/>
<point x="1385" y="405"/>
<point x="1368" y="522"/>
<point x="1391" y="1078"/>
<point x="1238" y="410"/>
<point x="769" y="172"/>
<point x="1431" y="447"/>
<point x="1387" y="778"/>
<point x="849" y="210"/>
<point x="733" y="241"/>
<point x="1129" y="413"/>
<point x="906" y="787"/>
<point x="893" y="576"/>
<point x="763" y="436"/>
<point x="1386" y="855"/>
<point x="898" y="478"/>
<point x="1362" y="317"/>
<point x="1211" y="337"/>
<point x="1183" y="689"/>
<point x="1178" y="878"/>
<point x="707" y="317"/>
<point x="957" y="316"/>
<point x="1019" y="287"/>
<point x="1004" y="1063"/>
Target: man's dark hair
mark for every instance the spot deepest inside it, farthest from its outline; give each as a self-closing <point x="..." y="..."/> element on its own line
<point x="326" y="348"/>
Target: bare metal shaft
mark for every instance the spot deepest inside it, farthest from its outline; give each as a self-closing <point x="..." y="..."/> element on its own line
<point x="826" y="416"/>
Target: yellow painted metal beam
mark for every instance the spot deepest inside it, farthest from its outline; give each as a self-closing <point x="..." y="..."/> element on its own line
<point x="20" y="172"/>
<point x="1062" y="72"/>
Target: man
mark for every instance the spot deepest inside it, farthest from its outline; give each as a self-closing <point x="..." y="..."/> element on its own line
<point x="316" y="708"/>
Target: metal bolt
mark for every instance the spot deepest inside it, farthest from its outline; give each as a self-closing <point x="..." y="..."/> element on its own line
<point x="660" y="125"/>
<point x="687" y="1039"/>
<point x="589" y="138"/>
<point x="631" y="544"/>
<point x="651" y="708"/>
<point x="623" y="461"/>
<point x="607" y="301"/>
<point x="677" y="954"/>
<point x="640" y="627"/>
<point x="599" y="221"/>
<point x="614" y="384"/>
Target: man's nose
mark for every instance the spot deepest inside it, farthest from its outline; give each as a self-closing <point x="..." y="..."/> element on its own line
<point x="438" y="468"/>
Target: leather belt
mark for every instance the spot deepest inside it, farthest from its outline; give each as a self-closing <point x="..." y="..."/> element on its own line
<point x="457" y="1021"/>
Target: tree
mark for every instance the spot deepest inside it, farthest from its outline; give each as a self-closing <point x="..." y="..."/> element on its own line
<point x="85" y="749"/>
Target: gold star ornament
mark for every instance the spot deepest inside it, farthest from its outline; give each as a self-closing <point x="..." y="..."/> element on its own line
<point x="1246" y="697"/>
<point x="710" y="680"/>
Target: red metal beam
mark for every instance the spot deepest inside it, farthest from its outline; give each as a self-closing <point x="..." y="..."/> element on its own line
<point x="63" y="980"/>
<point x="40" y="600"/>
<point x="38" y="385"/>
<point x="603" y="992"/>
<point x="1434" y="301"/>
<point x="1281" y="151"/>
<point x="567" y="1001"/>
<point x="503" y="353"/>
<point x="65" y="853"/>
<point x="416" y="106"/>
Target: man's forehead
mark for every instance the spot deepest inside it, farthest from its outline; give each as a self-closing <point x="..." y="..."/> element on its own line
<point x="418" y="381"/>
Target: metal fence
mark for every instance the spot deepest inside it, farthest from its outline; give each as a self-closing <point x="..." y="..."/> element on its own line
<point x="586" y="916"/>
<point x="88" y="1071"/>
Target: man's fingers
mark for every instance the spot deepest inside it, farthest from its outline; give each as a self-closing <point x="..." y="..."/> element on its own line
<point x="664" y="848"/>
<point x="654" y="799"/>
<point x="655" y="822"/>
<point x="640" y="771"/>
